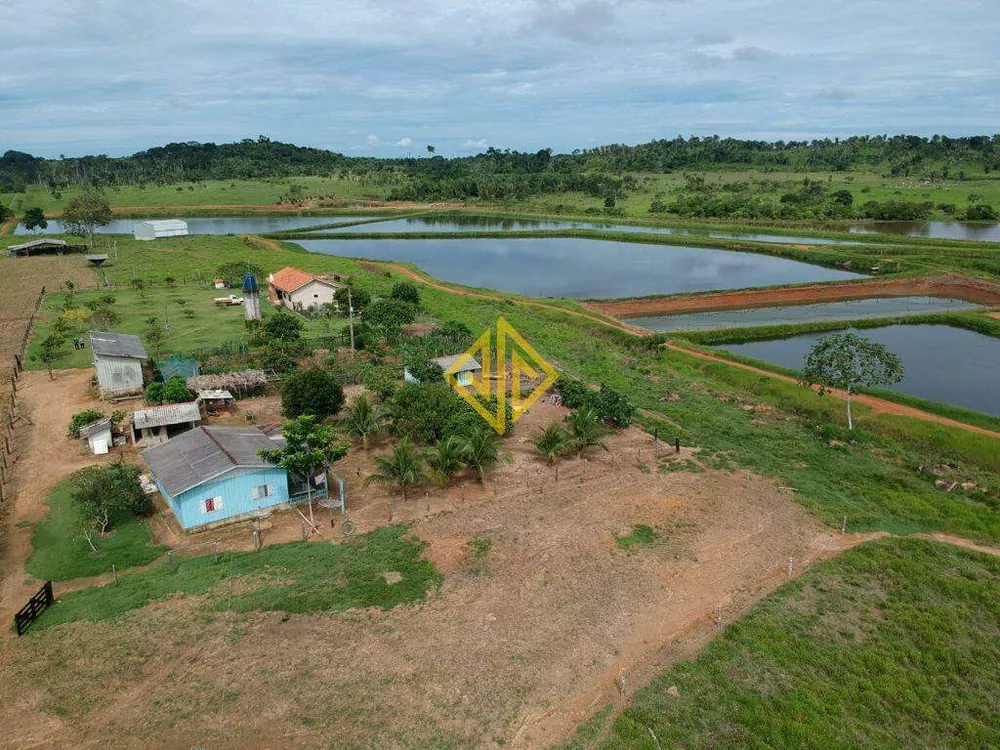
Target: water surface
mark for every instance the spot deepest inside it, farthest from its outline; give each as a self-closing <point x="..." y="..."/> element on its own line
<point x="581" y="268"/>
<point x="942" y="230"/>
<point x="944" y="364"/>
<point x="791" y="314"/>
<point x="212" y="224"/>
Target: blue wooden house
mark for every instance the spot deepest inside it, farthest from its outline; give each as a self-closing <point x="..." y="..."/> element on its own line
<point x="210" y="475"/>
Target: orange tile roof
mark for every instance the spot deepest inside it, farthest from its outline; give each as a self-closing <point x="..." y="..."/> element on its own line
<point x="289" y="279"/>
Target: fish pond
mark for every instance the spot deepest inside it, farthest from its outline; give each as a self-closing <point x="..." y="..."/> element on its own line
<point x="581" y="268"/>
<point x="885" y="307"/>
<point x="212" y="224"/>
<point x="944" y="364"/>
<point x="941" y="230"/>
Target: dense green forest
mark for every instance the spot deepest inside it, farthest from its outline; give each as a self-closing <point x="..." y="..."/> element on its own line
<point x="607" y="173"/>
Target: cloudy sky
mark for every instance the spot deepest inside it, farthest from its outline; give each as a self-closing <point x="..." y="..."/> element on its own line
<point x="387" y="77"/>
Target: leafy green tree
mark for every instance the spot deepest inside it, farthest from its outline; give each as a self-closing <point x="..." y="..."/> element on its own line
<point x="586" y="430"/>
<point x="85" y="213"/>
<point x="103" y="311"/>
<point x="282" y="326"/>
<point x="406" y="291"/>
<point x="232" y="273"/>
<point x="848" y="361"/>
<point x="309" y="447"/>
<point x="426" y="411"/>
<point x="364" y="421"/>
<point x="482" y="451"/>
<point x="981" y="212"/>
<point x="446" y="458"/>
<point x="104" y="495"/>
<point x="5" y="213"/>
<point x="80" y="419"/>
<point x="426" y="371"/>
<point x="360" y="298"/>
<point x="388" y="316"/>
<point x="51" y="350"/>
<point x="552" y="441"/>
<point x="175" y="391"/>
<point x="154" y="335"/>
<point x="154" y="393"/>
<point x="314" y="392"/>
<point x="404" y="468"/>
<point x="34" y="218"/>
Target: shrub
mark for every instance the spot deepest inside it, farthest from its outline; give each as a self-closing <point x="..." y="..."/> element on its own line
<point x="406" y="291"/>
<point x="282" y="326"/>
<point x="232" y="272"/>
<point x="312" y="391"/>
<point x="609" y="405"/>
<point x="426" y="371"/>
<point x="81" y="419"/>
<point x="175" y="391"/>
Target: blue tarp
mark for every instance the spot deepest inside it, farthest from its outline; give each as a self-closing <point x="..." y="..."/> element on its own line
<point x="174" y="365"/>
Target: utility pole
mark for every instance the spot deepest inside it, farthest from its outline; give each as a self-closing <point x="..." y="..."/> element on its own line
<point x="350" y="315"/>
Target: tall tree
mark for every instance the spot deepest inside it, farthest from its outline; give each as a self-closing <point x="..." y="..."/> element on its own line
<point x="34" y="218"/>
<point x="85" y="213"/>
<point x="50" y="351"/>
<point x="849" y="361"/>
<point x="404" y="468"/>
<point x="312" y="391"/>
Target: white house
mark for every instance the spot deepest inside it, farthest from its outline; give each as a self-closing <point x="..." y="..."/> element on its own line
<point x="118" y="359"/>
<point x="298" y="290"/>
<point x="156" y="228"/>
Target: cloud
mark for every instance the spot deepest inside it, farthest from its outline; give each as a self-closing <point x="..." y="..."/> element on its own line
<point x="372" y="141"/>
<point x="470" y="145"/>
<point x="585" y="21"/>
<point x="836" y="94"/>
<point x="405" y="142"/>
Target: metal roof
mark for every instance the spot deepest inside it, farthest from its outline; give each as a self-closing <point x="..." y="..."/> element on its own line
<point x="94" y="427"/>
<point x="449" y="360"/>
<point x="205" y="453"/>
<point x="163" y="224"/>
<point x="214" y="394"/>
<point x="37" y="243"/>
<point x="158" y="416"/>
<point x="108" y="344"/>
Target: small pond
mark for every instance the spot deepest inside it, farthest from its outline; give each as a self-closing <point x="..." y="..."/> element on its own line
<point x="791" y="314"/>
<point x="942" y="230"/>
<point x="213" y="224"/>
<point x="581" y="268"/>
<point x="944" y="364"/>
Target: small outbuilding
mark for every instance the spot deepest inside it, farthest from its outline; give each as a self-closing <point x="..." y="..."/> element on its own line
<point x="44" y="247"/>
<point x="298" y="290"/>
<point x="213" y="475"/>
<point x="215" y="399"/>
<point x="118" y="359"/>
<point x="98" y="436"/>
<point x="160" y="423"/>
<point x="158" y="228"/>
<point x="465" y="374"/>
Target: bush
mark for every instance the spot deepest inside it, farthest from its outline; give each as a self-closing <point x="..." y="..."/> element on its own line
<point x="406" y="291"/>
<point x="980" y="212"/>
<point x="154" y="393"/>
<point x="312" y="391"/>
<point x="282" y="326"/>
<point x="426" y="371"/>
<point x="175" y="391"/>
<point x="360" y="298"/>
<point x="611" y="406"/>
<point x="232" y="272"/>
<point x="81" y="419"/>
<point x="389" y="315"/>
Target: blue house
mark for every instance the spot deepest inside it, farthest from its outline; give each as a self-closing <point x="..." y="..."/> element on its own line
<point x="210" y="475"/>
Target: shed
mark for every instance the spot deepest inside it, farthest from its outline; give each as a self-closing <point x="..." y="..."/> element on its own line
<point x="211" y="399"/>
<point x="298" y="290"/>
<point x="213" y="475"/>
<point x="44" y="247"/>
<point x="160" y="423"/>
<point x="157" y="228"/>
<point x="464" y="374"/>
<point x="118" y="359"/>
<point x="98" y="436"/>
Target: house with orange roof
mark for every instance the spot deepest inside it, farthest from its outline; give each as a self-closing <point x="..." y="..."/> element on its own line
<point x="298" y="290"/>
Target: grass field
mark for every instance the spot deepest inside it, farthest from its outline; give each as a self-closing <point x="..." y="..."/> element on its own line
<point x="61" y="553"/>
<point x="893" y="644"/>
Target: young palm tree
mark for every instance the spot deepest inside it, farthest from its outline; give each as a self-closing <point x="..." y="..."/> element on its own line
<point x="482" y="451"/>
<point x="552" y="441"/>
<point x="364" y="421"/>
<point x="403" y="468"/>
<point x="586" y="430"/>
<point x="446" y="458"/>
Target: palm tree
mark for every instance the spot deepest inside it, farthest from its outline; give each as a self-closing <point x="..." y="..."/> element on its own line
<point x="364" y="421"/>
<point x="446" y="458"/>
<point x="403" y="468"/>
<point x="482" y="451"/>
<point x="552" y="441"/>
<point x="586" y="430"/>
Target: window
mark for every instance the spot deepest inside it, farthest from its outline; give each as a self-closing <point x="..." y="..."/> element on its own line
<point x="261" y="491"/>
<point x="211" y="504"/>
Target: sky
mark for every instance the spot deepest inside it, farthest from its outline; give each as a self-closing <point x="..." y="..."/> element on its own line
<point x="388" y="77"/>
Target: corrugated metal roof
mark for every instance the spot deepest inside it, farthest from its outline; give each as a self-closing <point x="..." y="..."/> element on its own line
<point x="94" y="427"/>
<point x="158" y="416"/>
<point x="202" y="454"/>
<point x="449" y="360"/>
<point x="108" y="344"/>
<point x="37" y="243"/>
<point x="163" y="224"/>
<point x="214" y="394"/>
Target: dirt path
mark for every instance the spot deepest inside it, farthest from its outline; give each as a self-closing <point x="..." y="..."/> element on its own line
<point x="972" y="290"/>
<point x="876" y="404"/>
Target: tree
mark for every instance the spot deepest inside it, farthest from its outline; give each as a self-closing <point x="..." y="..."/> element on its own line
<point x="849" y="361"/>
<point x="5" y="213"/>
<point x="552" y="441"/>
<point x="154" y="335"/>
<point x="431" y="149"/>
<point x="81" y="419"/>
<point x="981" y="212"/>
<point x="104" y="495"/>
<point x="364" y="421"/>
<point x="482" y="451"/>
<point x="586" y="430"/>
<point x="313" y="391"/>
<point x="232" y="272"/>
<point x="175" y="391"/>
<point x="446" y="458"/>
<point x="309" y="447"/>
<point x="360" y="298"/>
<point x="282" y="326"/>
<point x="404" y="468"/>
<point x="103" y="311"/>
<point x="85" y="213"/>
<point x="426" y="371"/>
<point x="50" y="351"/>
<point x="389" y="316"/>
<point x="34" y="218"/>
<point x="406" y="291"/>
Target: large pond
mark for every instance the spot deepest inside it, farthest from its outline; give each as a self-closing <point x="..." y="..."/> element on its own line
<point x="214" y="224"/>
<point x="942" y="230"/>
<point x="581" y="268"/>
<point x="497" y="224"/>
<point x="945" y="364"/>
<point x="790" y="314"/>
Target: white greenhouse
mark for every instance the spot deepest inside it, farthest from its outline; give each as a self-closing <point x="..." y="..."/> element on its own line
<point x="151" y="230"/>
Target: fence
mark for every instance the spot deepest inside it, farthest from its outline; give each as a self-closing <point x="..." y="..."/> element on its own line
<point x="7" y="455"/>
<point x="35" y="606"/>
